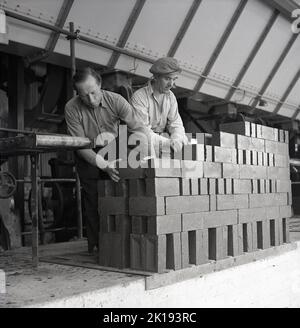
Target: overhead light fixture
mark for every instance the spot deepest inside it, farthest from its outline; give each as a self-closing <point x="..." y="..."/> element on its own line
<point x="262" y="103"/>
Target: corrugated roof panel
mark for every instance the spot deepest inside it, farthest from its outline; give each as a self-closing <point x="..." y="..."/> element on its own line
<point x="204" y="32"/>
<point x="286" y="72"/>
<point x="154" y="31"/>
<point x="269" y="53"/>
<point x="287" y="111"/>
<point x="293" y="98"/>
<point x="239" y="44"/>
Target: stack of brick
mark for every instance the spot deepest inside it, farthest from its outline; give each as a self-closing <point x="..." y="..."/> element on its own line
<point x="219" y="198"/>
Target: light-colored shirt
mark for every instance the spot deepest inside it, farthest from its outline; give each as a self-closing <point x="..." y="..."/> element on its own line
<point x="83" y="121"/>
<point x="159" y="116"/>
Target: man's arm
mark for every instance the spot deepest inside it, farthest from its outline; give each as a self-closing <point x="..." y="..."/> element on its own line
<point x="75" y="129"/>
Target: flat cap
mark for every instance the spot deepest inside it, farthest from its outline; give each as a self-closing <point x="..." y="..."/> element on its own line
<point x="165" y="65"/>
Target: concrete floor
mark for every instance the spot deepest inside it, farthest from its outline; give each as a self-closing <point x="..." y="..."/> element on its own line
<point x="56" y="285"/>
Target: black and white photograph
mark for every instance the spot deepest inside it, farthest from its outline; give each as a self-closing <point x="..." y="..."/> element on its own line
<point x="149" y="157"/>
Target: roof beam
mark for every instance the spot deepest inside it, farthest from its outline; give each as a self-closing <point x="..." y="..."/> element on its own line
<point x="126" y="31"/>
<point x="54" y="36"/>
<point x="274" y="69"/>
<point x="296" y="113"/>
<point x="253" y="53"/>
<point x="184" y="27"/>
<point x="287" y="92"/>
<point x="220" y="44"/>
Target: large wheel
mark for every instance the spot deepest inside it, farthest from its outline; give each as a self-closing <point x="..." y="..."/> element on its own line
<point x="8" y="184"/>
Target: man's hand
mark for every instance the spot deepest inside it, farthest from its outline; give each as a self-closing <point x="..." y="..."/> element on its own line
<point x="176" y="144"/>
<point x="111" y="170"/>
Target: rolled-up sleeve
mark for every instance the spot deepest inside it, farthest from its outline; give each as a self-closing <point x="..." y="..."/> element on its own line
<point x="73" y="121"/>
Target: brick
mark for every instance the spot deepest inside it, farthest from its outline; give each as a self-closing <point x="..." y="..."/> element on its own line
<point x="270" y="159"/>
<point x="203" y="186"/>
<point x="276" y="134"/>
<point x="174" y="251"/>
<point x="106" y="188"/>
<point x="241" y="186"/>
<point x="194" y="152"/>
<point x="257" y="144"/>
<point x="114" y="250"/>
<point x="281" y="160"/>
<point x="283" y="185"/>
<point x="212" y="186"/>
<point x="267" y="186"/>
<point x="228" y="186"/>
<point x="247" y="237"/>
<point x="122" y="188"/>
<point x="240" y="238"/>
<point x="137" y="187"/>
<point x="198" y="246"/>
<point x="147" y="206"/>
<point x="233" y="249"/>
<point x="280" y="231"/>
<point x="263" y="234"/>
<point x="137" y="252"/>
<point x="249" y="215"/>
<point x="285" y="211"/>
<point x="281" y="136"/>
<point x="243" y="142"/>
<point x="192" y="221"/>
<point x="285" y="230"/>
<point x="212" y="202"/>
<point x="155" y="253"/>
<point x="131" y="173"/>
<point x="279" y="173"/>
<point x="164" y="224"/>
<point x="273" y="186"/>
<point x="223" y="139"/>
<point x="261" y="186"/>
<point x="212" y="170"/>
<point x="220" y="186"/>
<point x="260" y="158"/>
<point x="162" y="168"/>
<point x="259" y="131"/>
<point x="253" y="130"/>
<point x="113" y="205"/>
<point x="242" y="128"/>
<point x="286" y="136"/>
<point x="162" y="187"/>
<point x="139" y="224"/>
<point x="289" y="198"/>
<point x="254" y="183"/>
<point x="254" y="235"/>
<point x="208" y="153"/>
<point x="253" y="171"/>
<point x="265" y="159"/>
<point x="192" y="169"/>
<point x="265" y="200"/>
<point x="230" y="170"/>
<point x="195" y="186"/>
<point x="184" y="249"/>
<point x="186" y="204"/>
<point x="254" y="160"/>
<point x="274" y="233"/>
<point x="185" y="188"/>
<point x="240" y="156"/>
<point x="219" y="218"/>
<point x="223" y="155"/>
<point x="268" y="132"/>
<point x="276" y="147"/>
<point x="217" y="241"/>
<point x="229" y="202"/>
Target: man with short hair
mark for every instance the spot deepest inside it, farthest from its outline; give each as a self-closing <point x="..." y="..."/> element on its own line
<point x="92" y="113"/>
<point x="157" y="106"/>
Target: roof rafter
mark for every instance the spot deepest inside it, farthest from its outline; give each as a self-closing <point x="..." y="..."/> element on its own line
<point x="221" y="43"/>
<point x="253" y="53"/>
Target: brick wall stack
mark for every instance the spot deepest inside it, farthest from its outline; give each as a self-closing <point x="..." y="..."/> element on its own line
<point x="224" y="196"/>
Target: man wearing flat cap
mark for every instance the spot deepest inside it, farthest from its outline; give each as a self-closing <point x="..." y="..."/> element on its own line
<point x="157" y="106"/>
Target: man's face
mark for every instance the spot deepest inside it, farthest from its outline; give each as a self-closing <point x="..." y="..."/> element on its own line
<point x="166" y="82"/>
<point x="89" y="92"/>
